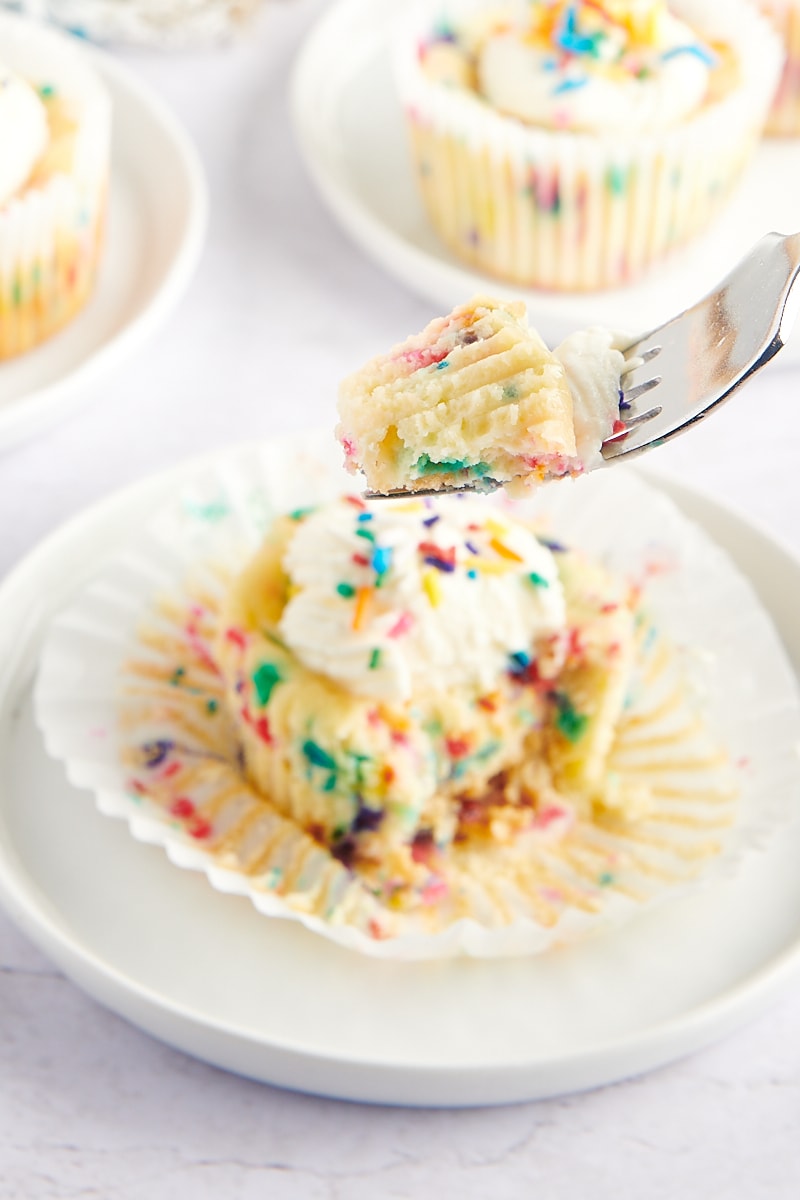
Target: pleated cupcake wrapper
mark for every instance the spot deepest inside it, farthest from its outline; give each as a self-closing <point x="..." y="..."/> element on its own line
<point x="128" y="698"/>
<point x="578" y="211"/>
<point x="784" y="117"/>
<point x="164" y="23"/>
<point x="50" y="235"/>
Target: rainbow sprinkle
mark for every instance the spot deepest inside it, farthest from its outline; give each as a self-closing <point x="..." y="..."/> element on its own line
<point x="505" y="551"/>
<point x="403" y="625"/>
<point x="569" y="722"/>
<point x="317" y="756"/>
<point x="382" y="559"/>
<point x="265" y="679"/>
<point x="433" y="588"/>
<point x="363" y="603"/>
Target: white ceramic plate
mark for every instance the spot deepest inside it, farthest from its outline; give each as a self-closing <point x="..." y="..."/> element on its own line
<point x="208" y="974"/>
<point x="156" y="227"/>
<point x="693" y="593"/>
<point x="350" y="128"/>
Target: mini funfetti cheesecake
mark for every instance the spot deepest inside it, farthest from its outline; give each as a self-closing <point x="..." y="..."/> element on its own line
<point x="405" y="679"/>
<point x="478" y="399"/>
<point x="422" y="723"/>
<point x="55" y="131"/>
<point x="572" y="144"/>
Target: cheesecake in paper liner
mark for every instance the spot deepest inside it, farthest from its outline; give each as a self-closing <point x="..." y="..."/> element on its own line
<point x="52" y="228"/>
<point x="568" y="204"/>
<point x="130" y="697"/>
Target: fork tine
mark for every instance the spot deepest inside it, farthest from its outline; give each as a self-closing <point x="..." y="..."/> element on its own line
<point x="641" y="389"/>
<point x="637" y="360"/>
<point x="483" y="487"/>
<point x="631" y="422"/>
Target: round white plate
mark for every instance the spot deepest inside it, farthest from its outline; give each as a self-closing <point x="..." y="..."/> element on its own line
<point x="350" y="128"/>
<point x="208" y="974"/>
<point x="156" y="227"/>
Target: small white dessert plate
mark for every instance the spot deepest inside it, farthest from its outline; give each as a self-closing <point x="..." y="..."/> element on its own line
<point x="156" y="227"/>
<point x="207" y="973"/>
<point x="350" y="128"/>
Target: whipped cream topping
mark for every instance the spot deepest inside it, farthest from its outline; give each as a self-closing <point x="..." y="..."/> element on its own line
<point x="398" y="598"/>
<point x="593" y="361"/>
<point x="599" y="67"/>
<point x="23" y="133"/>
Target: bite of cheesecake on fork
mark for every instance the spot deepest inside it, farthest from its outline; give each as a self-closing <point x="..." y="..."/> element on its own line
<point x="476" y="401"/>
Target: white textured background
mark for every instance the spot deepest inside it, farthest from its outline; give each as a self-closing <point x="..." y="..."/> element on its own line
<point x="281" y="307"/>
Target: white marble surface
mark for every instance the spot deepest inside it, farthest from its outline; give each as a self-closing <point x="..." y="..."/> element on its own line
<point x="281" y="307"/>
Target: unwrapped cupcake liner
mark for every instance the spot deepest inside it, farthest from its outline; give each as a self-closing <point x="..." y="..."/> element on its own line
<point x="51" y="233"/>
<point x="577" y="211"/>
<point x="784" y="117"/>
<point x="129" y="699"/>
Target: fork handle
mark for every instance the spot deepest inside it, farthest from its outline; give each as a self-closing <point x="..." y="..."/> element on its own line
<point x="709" y="351"/>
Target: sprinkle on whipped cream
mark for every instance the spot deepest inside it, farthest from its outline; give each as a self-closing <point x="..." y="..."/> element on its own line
<point x="584" y="65"/>
<point x="395" y="598"/>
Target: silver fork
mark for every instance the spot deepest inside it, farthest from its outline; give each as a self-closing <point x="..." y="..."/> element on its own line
<point x="705" y="355"/>
<point x="702" y="356"/>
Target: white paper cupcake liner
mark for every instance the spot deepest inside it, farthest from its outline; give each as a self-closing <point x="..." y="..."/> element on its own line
<point x="164" y="23"/>
<point x="576" y="211"/>
<point x="153" y="743"/>
<point x="50" y="235"/>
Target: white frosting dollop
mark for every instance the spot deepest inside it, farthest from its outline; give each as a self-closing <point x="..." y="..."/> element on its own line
<point x="431" y="623"/>
<point x="593" y="361"/>
<point x="23" y="133"/>
<point x="541" y="86"/>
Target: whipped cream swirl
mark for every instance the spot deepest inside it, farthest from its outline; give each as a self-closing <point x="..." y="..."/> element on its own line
<point x="23" y="133"/>
<point x="598" y="67"/>
<point x="396" y="599"/>
<point x="594" y="362"/>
